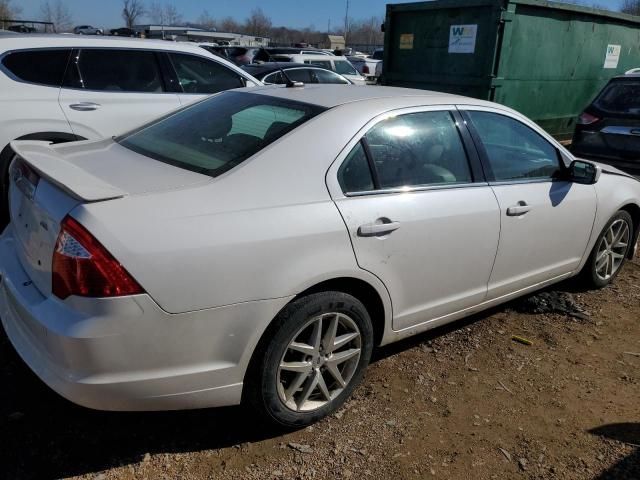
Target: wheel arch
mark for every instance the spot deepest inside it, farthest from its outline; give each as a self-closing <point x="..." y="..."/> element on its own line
<point x="634" y="210"/>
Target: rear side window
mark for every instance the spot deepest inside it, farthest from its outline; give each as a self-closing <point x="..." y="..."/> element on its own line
<point x="345" y="68"/>
<point x="354" y="174"/>
<point x="220" y="132"/>
<point x="620" y="96"/>
<point x="320" y="63"/>
<point x="115" y="70"/>
<point x="45" y="67"/>
<point x="200" y="75"/>
<point x="326" y="76"/>
<point x="422" y="148"/>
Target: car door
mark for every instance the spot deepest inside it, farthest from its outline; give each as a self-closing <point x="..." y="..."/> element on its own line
<point x="199" y="76"/>
<point x="546" y="221"/>
<point x="419" y="213"/>
<point x="108" y="91"/>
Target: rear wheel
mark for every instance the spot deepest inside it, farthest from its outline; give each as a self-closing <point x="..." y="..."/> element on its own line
<point x="610" y="251"/>
<point x="313" y="357"/>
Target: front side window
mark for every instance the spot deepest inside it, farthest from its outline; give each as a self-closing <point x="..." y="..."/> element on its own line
<point x="218" y="133"/>
<point x="422" y="148"/>
<point x="345" y="68"/>
<point x="115" y="70"/>
<point x="514" y="150"/>
<point x="200" y="75"/>
<point x="294" y="74"/>
<point x="45" y="67"/>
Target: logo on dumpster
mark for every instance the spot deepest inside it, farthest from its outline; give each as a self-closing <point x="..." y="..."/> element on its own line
<point x="462" y="38"/>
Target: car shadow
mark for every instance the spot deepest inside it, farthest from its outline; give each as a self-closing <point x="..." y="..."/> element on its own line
<point x="629" y="433"/>
<point x="45" y="436"/>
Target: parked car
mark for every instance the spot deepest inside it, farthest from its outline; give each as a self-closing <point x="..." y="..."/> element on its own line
<point x="256" y="247"/>
<point x="368" y="67"/>
<point x="267" y="54"/>
<point x="21" y="29"/>
<point x="87" y="30"/>
<point x="240" y="55"/>
<point x="337" y="64"/>
<point x="272" y="73"/>
<point x="609" y="128"/>
<point x="124" y="32"/>
<point x="109" y="86"/>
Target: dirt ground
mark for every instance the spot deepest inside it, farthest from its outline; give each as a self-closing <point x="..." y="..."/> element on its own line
<point x="461" y="402"/>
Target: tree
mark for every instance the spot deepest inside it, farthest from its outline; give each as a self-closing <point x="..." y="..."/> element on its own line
<point x="8" y="11"/>
<point x="131" y="11"/>
<point x="171" y="14"/>
<point x="58" y="14"/>
<point x="206" y="21"/>
<point x="258" y="23"/>
<point x="632" y="7"/>
<point x="164" y="14"/>
<point x="228" y="24"/>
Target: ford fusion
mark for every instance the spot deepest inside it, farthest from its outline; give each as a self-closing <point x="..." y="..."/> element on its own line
<point x="255" y="247"/>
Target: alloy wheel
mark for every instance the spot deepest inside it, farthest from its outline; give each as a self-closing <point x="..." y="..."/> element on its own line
<point x="319" y="362"/>
<point x="612" y="249"/>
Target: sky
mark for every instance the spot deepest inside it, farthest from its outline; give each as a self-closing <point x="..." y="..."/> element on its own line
<point x="289" y="13"/>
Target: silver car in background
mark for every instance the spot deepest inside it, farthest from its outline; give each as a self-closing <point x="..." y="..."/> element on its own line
<point x="255" y="247"/>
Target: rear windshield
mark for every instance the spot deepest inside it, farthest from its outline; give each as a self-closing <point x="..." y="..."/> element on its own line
<point x="220" y="132"/>
<point x="621" y="96"/>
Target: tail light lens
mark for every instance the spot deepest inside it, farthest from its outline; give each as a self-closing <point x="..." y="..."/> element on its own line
<point x="365" y="70"/>
<point x="82" y="266"/>
<point x="587" y="119"/>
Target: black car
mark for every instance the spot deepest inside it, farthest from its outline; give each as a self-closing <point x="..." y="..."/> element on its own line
<point x="123" y="32"/>
<point x="609" y="129"/>
<point x="272" y="73"/>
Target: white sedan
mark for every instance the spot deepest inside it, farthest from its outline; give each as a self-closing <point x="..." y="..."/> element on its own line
<point x="255" y="247"/>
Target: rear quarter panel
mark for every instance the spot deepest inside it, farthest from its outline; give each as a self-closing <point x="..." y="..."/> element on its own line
<point x="266" y="229"/>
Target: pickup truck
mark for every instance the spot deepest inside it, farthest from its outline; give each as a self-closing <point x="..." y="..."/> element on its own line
<point x="369" y="67"/>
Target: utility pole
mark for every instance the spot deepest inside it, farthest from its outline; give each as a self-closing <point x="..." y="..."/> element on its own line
<point x="346" y="23"/>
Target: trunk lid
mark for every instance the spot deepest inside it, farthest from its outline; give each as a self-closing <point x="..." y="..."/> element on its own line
<point x="47" y="182"/>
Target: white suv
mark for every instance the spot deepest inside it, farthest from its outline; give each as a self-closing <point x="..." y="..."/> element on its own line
<point x="63" y="88"/>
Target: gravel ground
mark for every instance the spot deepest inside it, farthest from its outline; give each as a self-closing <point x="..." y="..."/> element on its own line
<point x="461" y="402"/>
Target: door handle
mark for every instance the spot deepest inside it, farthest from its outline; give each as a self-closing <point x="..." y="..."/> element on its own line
<point x="517" y="210"/>
<point x="378" y="229"/>
<point x="85" y="106"/>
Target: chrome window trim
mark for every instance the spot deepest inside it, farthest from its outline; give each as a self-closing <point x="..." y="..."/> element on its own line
<point x="416" y="188"/>
<point x="331" y="178"/>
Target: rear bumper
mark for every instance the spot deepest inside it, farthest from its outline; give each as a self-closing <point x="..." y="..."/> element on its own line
<point x="126" y="353"/>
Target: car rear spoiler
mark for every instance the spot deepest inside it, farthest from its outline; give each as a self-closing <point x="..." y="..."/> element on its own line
<point x="67" y="176"/>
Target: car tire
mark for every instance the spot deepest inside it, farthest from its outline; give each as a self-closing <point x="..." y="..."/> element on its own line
<point x="606" y="260"/>
<point x="276" y="393"/>
<point x="5" y="160"/>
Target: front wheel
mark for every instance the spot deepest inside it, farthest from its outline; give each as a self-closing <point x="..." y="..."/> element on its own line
<point x="314" y="356"/>
<point x="610" y="251"/>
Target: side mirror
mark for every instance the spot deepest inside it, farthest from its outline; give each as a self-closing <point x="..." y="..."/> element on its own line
<point x="581" y="171"/>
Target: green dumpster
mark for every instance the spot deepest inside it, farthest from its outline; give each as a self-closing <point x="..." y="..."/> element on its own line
<point x="545" y="59"/>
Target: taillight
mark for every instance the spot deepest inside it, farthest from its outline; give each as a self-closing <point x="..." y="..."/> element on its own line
<point x="82" y="266"/>
<point x="587" y="119"/>
<point x="365" y="70"/>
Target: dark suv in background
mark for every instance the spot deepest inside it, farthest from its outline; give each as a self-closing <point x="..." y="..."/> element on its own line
<point x="609" y="129"/>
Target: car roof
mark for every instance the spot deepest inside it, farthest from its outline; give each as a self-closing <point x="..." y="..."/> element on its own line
<point x="255" y="68"/>
<point x="52" y="40"/>
<point x="329" y="96"/>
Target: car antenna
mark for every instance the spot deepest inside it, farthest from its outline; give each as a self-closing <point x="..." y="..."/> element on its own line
<point x="290" y="83"/>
